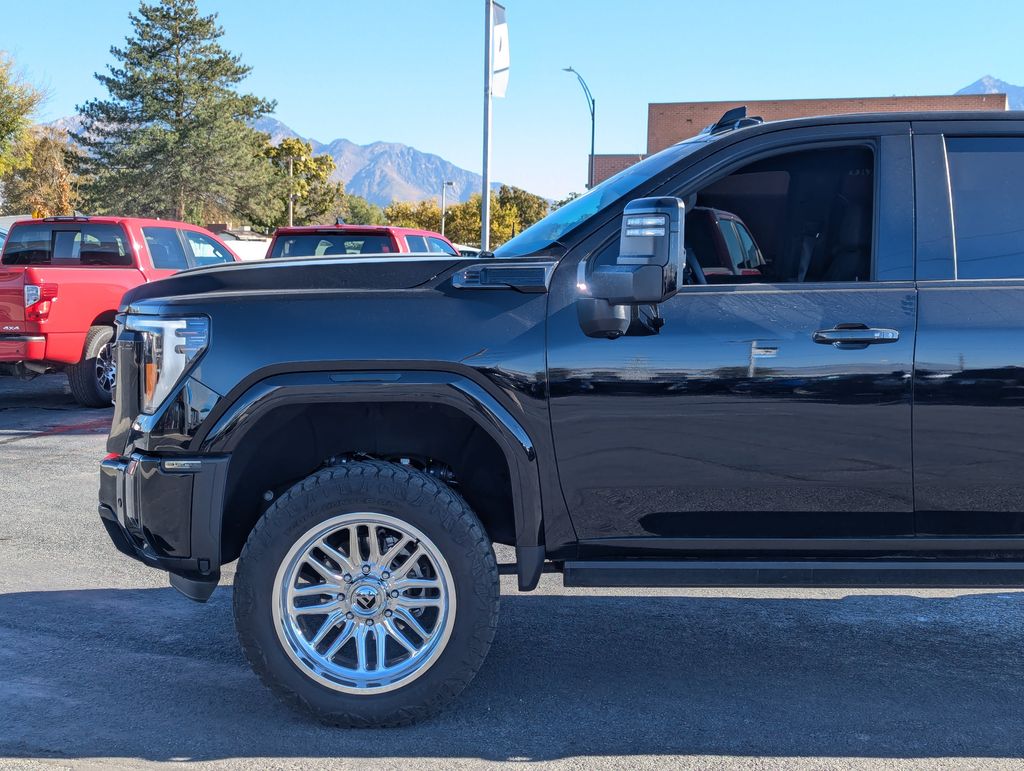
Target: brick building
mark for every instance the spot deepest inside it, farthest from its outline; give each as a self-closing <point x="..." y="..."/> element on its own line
<point x="671" y="122"/>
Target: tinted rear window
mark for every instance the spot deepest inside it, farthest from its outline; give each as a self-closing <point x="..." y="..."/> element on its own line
<point x="416" y="243"/>
<point x="165" y="248"/>
<point x="67" y="243"/>
<point x="986" y="175"/>
<point x="330" y="245"/>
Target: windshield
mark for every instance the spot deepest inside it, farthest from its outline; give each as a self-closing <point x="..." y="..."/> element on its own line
<point x="330" y="244"/>
<point x="550" y="229"/>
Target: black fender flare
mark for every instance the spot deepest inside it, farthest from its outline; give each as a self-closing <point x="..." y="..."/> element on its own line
<point x="437" y="387"/>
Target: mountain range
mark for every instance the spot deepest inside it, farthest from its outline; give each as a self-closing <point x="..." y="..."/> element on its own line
<point x="382" y="172"/>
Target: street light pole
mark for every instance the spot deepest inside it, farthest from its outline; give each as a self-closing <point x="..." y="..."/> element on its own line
<point x="591" y="102"/>
<point x="485" y="192"/>
<point x="291" y="192"/>
<point x="444" y="189"/>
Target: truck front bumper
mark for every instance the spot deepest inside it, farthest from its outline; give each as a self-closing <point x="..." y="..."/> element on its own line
<point x="166" y="513"/>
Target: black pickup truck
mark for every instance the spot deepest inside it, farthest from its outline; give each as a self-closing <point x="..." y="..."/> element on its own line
<point x="844" y="408"/>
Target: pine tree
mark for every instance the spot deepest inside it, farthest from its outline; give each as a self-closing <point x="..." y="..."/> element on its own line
<point x="174" y="138"/>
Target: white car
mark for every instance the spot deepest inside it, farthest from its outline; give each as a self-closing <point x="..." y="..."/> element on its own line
<point x="467" y="251"/>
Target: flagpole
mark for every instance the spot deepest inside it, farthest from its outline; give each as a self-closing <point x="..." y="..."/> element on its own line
<point x="485" y="195"/>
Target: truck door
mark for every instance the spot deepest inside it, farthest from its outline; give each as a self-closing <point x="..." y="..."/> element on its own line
<point x="773" y="404"/>
<point x="969" y="378"/>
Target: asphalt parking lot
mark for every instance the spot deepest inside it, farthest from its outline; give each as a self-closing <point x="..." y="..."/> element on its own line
<point x="103" y="665"/>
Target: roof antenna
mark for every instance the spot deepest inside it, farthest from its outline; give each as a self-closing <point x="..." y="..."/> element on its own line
<point x="735" y="118"/>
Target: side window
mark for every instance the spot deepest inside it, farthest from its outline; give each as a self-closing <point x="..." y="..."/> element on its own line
<point x="437" y="245"/>
<point x="165" y="248"/>
<point x="416" y="243"/>
<point x="752" y="259"/>
<point x="803" y="216"/>
<point x="205" y="251"/>
<point x="732" y="243"/>
<point x="798" y="217"/>
<point x="986" y="177"/>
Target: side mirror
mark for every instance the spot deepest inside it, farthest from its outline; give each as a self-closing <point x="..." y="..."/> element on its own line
<point x="648" y="270"/>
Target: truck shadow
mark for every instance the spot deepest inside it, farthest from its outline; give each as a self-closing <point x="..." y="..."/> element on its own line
<point x="147" y="674"/>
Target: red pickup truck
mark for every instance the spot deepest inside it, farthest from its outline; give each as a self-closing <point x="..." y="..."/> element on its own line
<point x="62" y="279"/>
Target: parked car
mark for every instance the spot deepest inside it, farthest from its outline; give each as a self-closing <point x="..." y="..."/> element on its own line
<point x="246" y="244"/>
<point x="467" y="251"/>
<point x="357" y="433"/>
<point x="722" y="244"/>
<point x="354" y="240"/>
<point x="62" y="278"/>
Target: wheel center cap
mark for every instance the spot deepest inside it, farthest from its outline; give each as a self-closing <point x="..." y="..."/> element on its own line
<point x="367" y="600"/>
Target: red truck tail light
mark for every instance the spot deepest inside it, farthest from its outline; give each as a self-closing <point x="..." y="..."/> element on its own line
<point x="38" y="301"/>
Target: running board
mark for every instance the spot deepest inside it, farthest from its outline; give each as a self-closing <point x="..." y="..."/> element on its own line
<point x="868" y="573"/>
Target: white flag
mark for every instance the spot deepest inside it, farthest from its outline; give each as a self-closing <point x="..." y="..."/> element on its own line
<point x="499" y="56"/>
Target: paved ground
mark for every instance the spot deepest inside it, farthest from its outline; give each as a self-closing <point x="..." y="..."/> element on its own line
<point x="102" y="665"/>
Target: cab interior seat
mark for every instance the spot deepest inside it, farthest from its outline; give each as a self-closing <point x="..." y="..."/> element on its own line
<point x="104" y="253"/>
<point x="809" y="211"/>
<point x="848" y="253"/>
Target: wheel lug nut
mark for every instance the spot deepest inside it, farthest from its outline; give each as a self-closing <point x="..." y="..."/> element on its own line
<point x="341" y="597"/>
<point x="349" y="615"/>
<point x="366" y="569"/>
<point x="385" y="575"/>
<point x="369" y="622"/>
<point x="394" y="593"/>
<point x="348" y="578"/>
<point x="388" y="613"/>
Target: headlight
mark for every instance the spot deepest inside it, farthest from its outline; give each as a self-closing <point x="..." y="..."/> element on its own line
<point x="168" y="345"/>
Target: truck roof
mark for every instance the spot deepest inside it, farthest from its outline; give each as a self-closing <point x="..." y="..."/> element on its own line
<point x="353" y="229"/>
<point x="108" y="220"/>
<point x="747" y="125"/>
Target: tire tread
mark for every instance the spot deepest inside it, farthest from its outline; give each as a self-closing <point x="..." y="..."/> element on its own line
<point x="81" y="376"/>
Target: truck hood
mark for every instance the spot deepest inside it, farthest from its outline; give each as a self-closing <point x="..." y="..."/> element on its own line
<point x="275" y="275"/>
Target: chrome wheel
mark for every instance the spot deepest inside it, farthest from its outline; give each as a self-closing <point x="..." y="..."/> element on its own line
<point x="364" y="603"/>
<point x="106" y="368"/>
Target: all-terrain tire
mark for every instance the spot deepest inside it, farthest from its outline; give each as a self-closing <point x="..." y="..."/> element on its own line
<point x="88" y="385"/>
<point x="408" y="495"/>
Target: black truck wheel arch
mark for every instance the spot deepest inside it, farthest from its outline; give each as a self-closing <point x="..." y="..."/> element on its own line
<point x="409" y="386"/>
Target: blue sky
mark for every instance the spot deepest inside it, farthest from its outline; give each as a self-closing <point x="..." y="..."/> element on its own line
<point x="411" y="71"/>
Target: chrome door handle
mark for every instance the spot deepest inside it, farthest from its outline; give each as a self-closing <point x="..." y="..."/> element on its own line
<point x="853" y="336"/>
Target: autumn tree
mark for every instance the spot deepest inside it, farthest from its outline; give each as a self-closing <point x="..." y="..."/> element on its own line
<point x="356" y="210"/>
<point x="306" y="177"/>
<point x="462" y="220"/>
<point x="173" y="138"/>
<point x="18" y="100"/>
<point x="529" y="208"/>
<point x="42" y="182"/>
<point x="462" y="225"/>
<point x="424" y="214"/>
